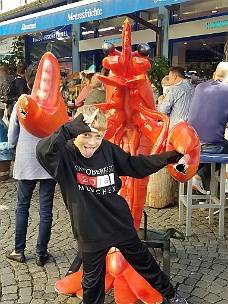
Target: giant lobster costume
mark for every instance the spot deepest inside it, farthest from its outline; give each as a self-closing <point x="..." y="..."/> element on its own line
<point x="135" y="125"/>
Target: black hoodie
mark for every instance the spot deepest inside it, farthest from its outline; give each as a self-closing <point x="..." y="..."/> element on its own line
<point x="99" y="216"/>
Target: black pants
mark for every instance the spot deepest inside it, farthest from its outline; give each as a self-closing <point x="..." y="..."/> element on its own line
<point x="137" y="255"/>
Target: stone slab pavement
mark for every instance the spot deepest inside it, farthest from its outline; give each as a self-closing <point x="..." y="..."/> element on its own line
<point x="199" y="263"/>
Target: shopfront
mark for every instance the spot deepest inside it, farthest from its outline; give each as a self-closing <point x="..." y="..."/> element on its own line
<point x="58" y="41"/>
<point x="199" y="44"/>
<point x="79" y="13"/>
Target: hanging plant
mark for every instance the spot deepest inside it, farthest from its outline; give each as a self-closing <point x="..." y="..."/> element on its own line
<point x="16" y="54"/>
<point x="159" y="69"/>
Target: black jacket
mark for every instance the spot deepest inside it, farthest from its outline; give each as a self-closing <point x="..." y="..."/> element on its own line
<point x="20" y="86"/>
<point x="99" y="216"/>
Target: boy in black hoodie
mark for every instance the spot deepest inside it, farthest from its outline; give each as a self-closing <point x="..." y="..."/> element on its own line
<point x="88" y="171"/>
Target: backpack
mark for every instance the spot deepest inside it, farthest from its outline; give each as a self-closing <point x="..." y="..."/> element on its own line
<point x="7" y="94"/>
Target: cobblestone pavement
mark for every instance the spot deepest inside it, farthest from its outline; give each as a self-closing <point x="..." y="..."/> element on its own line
<point x="199" y="263"/>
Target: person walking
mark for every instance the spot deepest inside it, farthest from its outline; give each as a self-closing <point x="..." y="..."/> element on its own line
<point x="19" y="86"/>
<point x="29" y="172"/>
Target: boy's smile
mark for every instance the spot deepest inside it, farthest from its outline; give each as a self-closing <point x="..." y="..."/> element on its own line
<point x="89" y="142"/>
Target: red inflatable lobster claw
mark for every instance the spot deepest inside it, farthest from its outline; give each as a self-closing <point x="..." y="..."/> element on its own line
<point x="44" y="110"/>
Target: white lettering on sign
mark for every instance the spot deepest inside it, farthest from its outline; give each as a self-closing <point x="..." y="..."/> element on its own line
<point x="28" y="26"/>
<point x="86" y="14"/>
<point x="216" y="24"/>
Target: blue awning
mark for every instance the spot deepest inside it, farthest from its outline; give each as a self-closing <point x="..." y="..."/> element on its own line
<point x="86" y="10"/>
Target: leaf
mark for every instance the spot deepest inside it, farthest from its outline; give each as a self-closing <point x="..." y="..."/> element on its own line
<point x="16" y="54"/>
<point x="159" y="69"/>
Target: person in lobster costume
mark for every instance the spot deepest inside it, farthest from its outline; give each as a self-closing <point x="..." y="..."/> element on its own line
<point x="102" y="163"/>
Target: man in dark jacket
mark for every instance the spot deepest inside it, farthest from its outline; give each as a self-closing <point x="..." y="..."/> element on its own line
<point x="88" y="171"/>
<point x="19" y="86"/>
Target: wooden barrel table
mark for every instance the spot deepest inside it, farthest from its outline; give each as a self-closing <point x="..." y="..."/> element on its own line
<point x="4" y="169"/>
<point x="161" y="189"/>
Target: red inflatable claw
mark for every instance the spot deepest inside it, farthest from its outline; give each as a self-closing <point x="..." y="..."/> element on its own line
<point x="183" y="138"/>
<point x="129" y="286"/>
<point x="44" y="111"/>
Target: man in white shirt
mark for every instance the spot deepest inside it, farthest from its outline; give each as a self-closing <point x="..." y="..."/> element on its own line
<point x="177" y="102"/>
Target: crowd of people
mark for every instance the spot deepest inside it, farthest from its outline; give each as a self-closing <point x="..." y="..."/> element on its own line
<point x="204" y="106"/>
<point x="11" y="87"/>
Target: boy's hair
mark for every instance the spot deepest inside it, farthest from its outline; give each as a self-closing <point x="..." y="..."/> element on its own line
<point x="100" y="121"/>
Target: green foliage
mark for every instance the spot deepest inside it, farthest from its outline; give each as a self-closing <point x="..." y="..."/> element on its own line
<point x="23" y="8"/>
<point x="159" y="69"/>
<point x="16" y="54"/>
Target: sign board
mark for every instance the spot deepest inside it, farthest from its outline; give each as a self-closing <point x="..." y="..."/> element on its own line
<point x="82" y="11"/>
<point x="5" y="45"/>
<point x="200" y="27"/>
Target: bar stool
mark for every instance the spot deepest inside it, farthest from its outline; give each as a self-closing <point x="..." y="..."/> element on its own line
<point x="213" y="200"/>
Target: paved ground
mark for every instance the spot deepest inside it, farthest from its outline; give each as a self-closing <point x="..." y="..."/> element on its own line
<point x="199" y="263"/>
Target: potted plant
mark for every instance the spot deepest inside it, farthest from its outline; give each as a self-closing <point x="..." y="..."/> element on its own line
<point x="16" y="54"/>
<point x="159" y="69"/>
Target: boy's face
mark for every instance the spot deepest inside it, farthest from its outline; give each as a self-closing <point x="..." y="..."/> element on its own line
<point x="89" y="142"/>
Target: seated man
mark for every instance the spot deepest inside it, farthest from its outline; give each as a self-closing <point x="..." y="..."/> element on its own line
<point x="208" y="115"/>
<point x="97" y="94"/>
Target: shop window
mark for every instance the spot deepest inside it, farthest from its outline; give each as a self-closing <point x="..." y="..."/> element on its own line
<point x="195" y="9"/>
<point x="87" y="60"/>
<point x="58" y="41"/>
<point x="113" y="26"/>
<point x="150" y="15"/>
<point x="104" y="27"/>
<point x="200" y="55"/>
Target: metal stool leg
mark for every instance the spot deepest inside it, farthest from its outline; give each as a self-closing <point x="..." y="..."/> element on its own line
<point x="222" y="199"/>
<point x="181" y="204"/>
<point x="189" y="208"/>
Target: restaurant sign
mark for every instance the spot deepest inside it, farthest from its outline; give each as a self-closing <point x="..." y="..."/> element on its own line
<point x="82" y="11"/>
